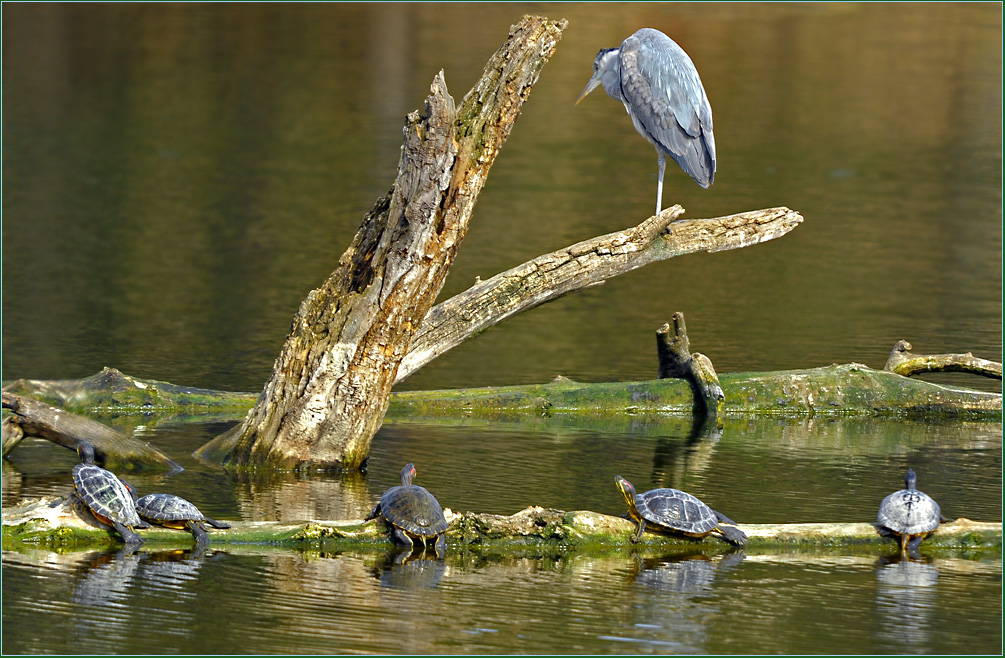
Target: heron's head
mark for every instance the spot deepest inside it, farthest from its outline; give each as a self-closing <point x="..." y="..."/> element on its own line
<point x="605" y="71"/>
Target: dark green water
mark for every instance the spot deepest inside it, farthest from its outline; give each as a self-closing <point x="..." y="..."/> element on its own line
<point x="176" y="178"/>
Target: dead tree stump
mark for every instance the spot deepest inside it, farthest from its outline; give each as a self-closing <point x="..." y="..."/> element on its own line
<point x="676" y="361"/>
<point x="329" y="387"/>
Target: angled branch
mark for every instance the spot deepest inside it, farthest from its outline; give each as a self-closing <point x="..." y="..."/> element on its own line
<point x="583" y="265"/>
<point x="33" y="418"/>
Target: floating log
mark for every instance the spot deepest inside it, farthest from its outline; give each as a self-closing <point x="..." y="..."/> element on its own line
<point x="835" y="390"/>
<point x="112" y="391"/>
<point x="54" y="522"/>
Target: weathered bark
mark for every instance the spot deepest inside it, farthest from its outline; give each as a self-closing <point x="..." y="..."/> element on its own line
<point x="114" y="449"/>
<point x="328" y="391"/>
<point x="11" y="433"/>
<point x="676" y="361"/>
<point x="35" y="522"/>
<point x="583" y="265"/>
<point x="902" y="362"/>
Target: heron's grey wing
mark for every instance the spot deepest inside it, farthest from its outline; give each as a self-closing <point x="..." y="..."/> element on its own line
<point x="668" y="102"/>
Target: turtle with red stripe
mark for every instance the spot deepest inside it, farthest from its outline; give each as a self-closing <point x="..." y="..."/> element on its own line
<point x="106" y="496"/>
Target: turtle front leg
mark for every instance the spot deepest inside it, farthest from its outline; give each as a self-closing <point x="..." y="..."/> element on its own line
<point x="915" y="542"/>
<point x="198" y="531"/>
<point x="441" y="545"/>
<point x="638" y="533"/>
<point x="401" y="538"/>
<point x="128" y="536"/>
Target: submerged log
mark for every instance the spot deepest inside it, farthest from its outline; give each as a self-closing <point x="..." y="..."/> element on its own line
<point x="112" y="449"/>
<point x="903" y="362"/>
<point x="38" y="522"/>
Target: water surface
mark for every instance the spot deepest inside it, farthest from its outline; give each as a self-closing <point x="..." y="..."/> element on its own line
<point x="176" y="178"/>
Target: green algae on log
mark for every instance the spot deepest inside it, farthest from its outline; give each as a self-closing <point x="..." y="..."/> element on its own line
<point x="37" y="523"/>
<point x="112" y="390"/>
<point x="851" y="389"/>
<point x="835" y="390"/>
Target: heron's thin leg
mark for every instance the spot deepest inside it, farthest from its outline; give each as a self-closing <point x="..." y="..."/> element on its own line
<point x="659" y="185"/>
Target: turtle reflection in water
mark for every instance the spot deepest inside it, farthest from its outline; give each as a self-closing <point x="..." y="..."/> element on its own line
<point x="909" y="515"/>
<point x="676" y="511"/>
<point x="682" y="574"/>
<point x="413" y="514"/>
<point x="106" y="496"/>
<point x="403" y="571"/>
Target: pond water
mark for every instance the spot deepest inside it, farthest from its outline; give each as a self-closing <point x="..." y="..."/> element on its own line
<point x="177" y="177"/>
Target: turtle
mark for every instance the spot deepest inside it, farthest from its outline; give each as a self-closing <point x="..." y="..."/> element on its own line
<point x="676" y="511"/>
<point x="173" y="511"/>
<point x="909" y="515"/>
<point x="106" y="496"/>
<point x="413" y="513"/>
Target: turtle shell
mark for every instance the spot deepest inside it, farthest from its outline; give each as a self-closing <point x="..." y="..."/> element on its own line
<point x="159" y="507"/>
<point x="413" y="510"/>
<point x="909" y="512"/>
<point x="105" y="495"/>
<point x="676" y="510"/>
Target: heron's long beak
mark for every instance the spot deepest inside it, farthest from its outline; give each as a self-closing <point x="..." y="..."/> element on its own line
<point x="590" y="86"/>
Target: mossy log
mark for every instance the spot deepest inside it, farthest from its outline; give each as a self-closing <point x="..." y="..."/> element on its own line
<point x="37" y="522"/>
<point x="836" y="390"/>
<point x="112" y="391"/>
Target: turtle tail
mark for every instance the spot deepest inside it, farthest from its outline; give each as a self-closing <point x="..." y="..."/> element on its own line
<point x="732" y="534"/>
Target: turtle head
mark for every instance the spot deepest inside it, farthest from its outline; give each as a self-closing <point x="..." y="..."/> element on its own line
<point x="86" y="453"/>
<point x="910" y="479"/>
<point x="627" y="490"/>
<point x="407" y="473"/>
<point x="130" y="488"/>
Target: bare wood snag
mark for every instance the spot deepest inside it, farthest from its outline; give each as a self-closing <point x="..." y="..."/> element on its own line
<point x="329" y="387"/>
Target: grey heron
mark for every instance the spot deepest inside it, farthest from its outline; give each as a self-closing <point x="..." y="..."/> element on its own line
<point x="662" y="92"/>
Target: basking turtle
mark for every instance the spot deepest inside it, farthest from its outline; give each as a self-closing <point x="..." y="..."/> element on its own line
<point x="175" y="512"/>
<point x="413" y="513"/>
<point x="676" y="511"/>
<point x="908" y="514"/>
<point x="106" y="496"/>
